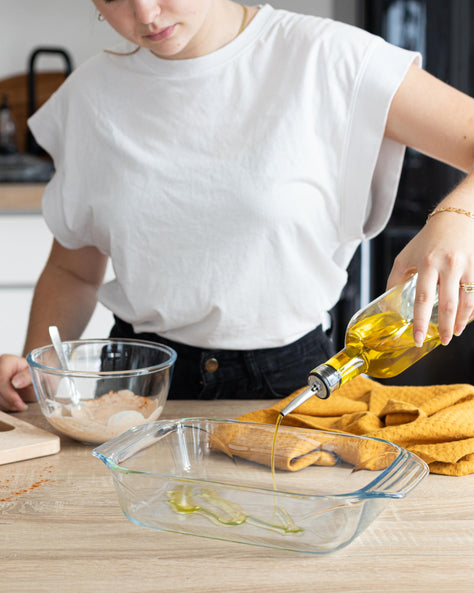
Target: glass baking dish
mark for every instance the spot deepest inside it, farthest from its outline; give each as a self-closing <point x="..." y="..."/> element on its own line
<point x="211" y="478"/>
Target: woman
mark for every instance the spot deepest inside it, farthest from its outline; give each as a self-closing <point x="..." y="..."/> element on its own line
<point x="229" y="160"/>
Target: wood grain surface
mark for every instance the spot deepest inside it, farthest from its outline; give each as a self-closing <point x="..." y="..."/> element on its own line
<point x="62" y="530"/>
<point x="16" y="89"/>
<point x="21" y="197"/>
<point x="20" y="440"/>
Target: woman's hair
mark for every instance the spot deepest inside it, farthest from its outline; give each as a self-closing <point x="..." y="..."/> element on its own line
<point x="117" y="53"/>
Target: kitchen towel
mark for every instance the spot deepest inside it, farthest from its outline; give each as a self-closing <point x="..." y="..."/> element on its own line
<point x="435" y="422"/>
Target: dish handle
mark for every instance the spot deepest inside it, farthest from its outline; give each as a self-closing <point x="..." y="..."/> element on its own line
<point x="123" y="446"/>
<point x="400" y="478"/>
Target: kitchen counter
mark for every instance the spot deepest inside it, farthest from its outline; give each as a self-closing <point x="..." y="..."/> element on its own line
<point x="62" y="530"/>
<point x="21" y="198"/>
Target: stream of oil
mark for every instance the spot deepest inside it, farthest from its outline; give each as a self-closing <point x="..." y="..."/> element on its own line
<point x="272" y="459"/>
<point x="185" y="499"/>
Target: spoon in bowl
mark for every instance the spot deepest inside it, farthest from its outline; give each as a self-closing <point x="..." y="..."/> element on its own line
<point x="59" y="349"/>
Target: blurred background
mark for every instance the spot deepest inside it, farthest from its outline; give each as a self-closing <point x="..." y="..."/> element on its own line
<point x="43" y="41"/>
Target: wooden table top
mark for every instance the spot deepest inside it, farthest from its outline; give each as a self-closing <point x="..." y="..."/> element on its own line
<point x="62" y="530"/>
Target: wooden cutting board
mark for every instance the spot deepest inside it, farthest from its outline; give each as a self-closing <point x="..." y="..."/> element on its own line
<point x="20" y="440"/>
<point x="16" y="89"/>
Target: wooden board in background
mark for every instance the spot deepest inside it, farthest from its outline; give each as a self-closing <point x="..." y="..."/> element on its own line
<point x="16" y="88"/>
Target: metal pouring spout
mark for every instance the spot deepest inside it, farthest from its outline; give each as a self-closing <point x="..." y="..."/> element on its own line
<point x="298" y="400"/>
<point x="322" y="381"/>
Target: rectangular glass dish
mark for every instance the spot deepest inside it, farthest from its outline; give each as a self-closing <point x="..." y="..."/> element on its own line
<point x="212" y="478"/>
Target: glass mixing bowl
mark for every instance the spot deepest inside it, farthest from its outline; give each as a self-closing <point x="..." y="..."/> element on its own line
<point x="212" y="478"/>
<point x="110" y="386"/>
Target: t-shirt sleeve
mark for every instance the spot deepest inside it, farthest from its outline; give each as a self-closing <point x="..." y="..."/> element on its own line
<point x="48" y="126"/>
<point x="369" y="159"/>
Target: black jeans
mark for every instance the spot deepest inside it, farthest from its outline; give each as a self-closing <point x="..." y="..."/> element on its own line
<point x="239" y="374"/>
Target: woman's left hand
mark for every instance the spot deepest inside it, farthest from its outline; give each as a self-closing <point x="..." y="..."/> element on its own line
<point x="443" y="255"/>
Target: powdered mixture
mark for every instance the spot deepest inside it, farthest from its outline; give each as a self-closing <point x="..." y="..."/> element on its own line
<point x="98" y="420"/>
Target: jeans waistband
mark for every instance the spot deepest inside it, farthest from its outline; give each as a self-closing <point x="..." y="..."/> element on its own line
<point x="123" y="329"/>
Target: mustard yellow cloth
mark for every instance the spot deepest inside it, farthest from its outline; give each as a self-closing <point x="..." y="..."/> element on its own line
<point x="296" y="450"/>
<point x="435" y="422"/>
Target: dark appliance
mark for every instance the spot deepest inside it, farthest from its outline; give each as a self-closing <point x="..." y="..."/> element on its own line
<point x="444" y="33"/>
<point x="31" y="144"/>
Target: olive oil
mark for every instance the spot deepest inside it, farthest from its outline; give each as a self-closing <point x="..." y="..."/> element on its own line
<point x="278" y="511"/>
<point x="381" y="346"/>
<point x="186" y="500"/>
<point x="379" y="342"/>
<point x="192" y="499"/>
<point x="272" y="459"/>
<point x="220" y="511"/>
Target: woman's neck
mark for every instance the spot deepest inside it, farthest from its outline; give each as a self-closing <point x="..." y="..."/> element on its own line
<point x="224" y="22"/>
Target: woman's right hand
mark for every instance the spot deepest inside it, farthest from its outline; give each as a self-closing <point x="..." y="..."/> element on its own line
<point x="15" y="383"/>
<point x="65" y="295"/>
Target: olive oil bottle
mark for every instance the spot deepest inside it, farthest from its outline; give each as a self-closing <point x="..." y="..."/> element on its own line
<point x="379" y="342"/>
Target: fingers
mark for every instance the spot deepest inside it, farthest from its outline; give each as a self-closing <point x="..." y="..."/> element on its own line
<point x="22" y="379"/>
<point x="448" y="306"/>
<point x="465" y="312"/>
<point x="10" y="401"/>
<point x="425" y="296"/>
<point x="399" y="273"/>
<point x="443" y="255"/>
<point x="14" y="374"/>
<point x="455" y="305"/>
<point x="423" y="307"/>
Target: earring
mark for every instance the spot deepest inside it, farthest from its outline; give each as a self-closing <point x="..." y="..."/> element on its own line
<point x="100" y="17"/>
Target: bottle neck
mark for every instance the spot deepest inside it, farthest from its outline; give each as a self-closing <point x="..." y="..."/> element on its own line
<point x="337" y="371"/>
<point x="325" y="379"/>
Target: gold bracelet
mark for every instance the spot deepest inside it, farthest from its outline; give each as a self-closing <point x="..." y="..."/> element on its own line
<point x="451" y="209"/>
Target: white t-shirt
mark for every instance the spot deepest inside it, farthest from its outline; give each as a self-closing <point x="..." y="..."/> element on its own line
<point x="230" y="190"/>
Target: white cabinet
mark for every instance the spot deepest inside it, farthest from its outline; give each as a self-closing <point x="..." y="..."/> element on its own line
<point x="25" y="242"/>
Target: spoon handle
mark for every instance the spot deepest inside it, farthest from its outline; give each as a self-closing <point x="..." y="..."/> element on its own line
<point x="58" y="346"/>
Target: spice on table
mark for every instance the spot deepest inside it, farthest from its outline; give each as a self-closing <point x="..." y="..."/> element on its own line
<point x="9" y="490"/>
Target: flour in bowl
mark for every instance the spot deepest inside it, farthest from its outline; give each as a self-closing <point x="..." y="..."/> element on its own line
<point x="98" y="420"/>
